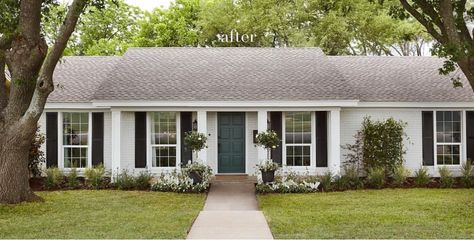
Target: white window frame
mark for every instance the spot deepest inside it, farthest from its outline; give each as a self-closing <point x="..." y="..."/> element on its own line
<point x="312" y="145"/>
<point x="61" y="145"/>
<point x="150" y="146"/>
<point x="461" y="144"/>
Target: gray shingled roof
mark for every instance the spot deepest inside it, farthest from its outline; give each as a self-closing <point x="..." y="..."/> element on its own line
<point x="252" y="74"/>
<point x="224" y="74"/>
<point x="401" y="79"/>
<point x="77" y="78"/>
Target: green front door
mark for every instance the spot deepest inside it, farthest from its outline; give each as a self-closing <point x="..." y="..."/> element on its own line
<point x="231" y="142"/>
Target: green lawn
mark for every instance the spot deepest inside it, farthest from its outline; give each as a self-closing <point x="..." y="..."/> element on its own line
<point x="102" y="214"/>
<point x="389" y="213"/>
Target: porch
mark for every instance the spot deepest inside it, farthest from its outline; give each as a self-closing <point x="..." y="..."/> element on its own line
<point x="231" y="147"/>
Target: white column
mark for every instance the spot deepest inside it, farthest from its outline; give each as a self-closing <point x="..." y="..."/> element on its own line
<point x="202" y="128"/>
<point x="116" y="139"/>
<point x="262" y="125"/>
<point x="334" y="148"/>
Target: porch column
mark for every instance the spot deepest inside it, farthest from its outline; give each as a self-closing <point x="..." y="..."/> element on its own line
<point x="202" y="128"/>
<point x="334" y="163"/>
<point x="262" y="125"/>
<point x="116" y="137"/>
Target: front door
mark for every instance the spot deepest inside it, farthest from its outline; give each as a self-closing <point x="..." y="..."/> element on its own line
<point x="231" y="142"/>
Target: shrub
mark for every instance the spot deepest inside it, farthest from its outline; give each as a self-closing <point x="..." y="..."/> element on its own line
<point x="72" y="181"/>
<point x="54" y="178"/>
<point x="326" y="181"/>
<point x="143" y="180"/>
<point x="400" y="175"/>
<point x="290" y="182"/>
<point x="378" y="144"/>
<point x="179" y="182"/>
<point x="125" y="181"/>
<point x="339" y="183"/>
<point x="36" y="156"/>
<point x="422" y="178"/>
<point x="376" y="177"/>
<point x="287" y="186"/>
<point x="445" y="177"/>
<point x="383" y="144"/>
<point x="353" y="180"/>
<point x="95" y="177"/>
<point x="467" y="171"/>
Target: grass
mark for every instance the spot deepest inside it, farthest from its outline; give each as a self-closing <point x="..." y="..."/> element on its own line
<point x="388" y="213"/>
<point x="102" y="214"/>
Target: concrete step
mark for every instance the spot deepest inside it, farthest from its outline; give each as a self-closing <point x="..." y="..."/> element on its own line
<point x="234" y="178"/>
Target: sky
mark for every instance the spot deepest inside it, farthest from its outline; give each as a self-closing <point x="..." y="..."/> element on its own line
<point x="149" y="4"/>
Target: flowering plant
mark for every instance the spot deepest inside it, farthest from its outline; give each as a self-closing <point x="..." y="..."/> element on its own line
<point x="196" y="141"/>
<point x="267" y="166"/>
<point x="289" y="183"/>
<point x="180" y="182"/>
<point x="203" y="170"/>
<point x="268" y="139"/>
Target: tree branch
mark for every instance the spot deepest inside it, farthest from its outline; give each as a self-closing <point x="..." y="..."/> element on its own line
<point x="45" y="84"/>
<point x="425" y="22"/>
<point x="429" y="10"/>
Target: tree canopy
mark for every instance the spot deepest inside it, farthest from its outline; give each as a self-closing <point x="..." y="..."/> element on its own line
<point x="355" y="27"/>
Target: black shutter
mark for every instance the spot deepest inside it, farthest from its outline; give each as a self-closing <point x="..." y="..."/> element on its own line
<point x="321" y="139"/>
<point x="428" y="141"/>
<point x="51" y="139"/>
<point x="140" y="139"/>
<point x="470" y="134"/>
<point x="97" y="138"/>
<point x="276" y="125"/>
<point x="186" y="126"/>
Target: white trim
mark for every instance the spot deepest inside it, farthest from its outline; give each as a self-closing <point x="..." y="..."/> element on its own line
<point x="125" y="103"/>
<point x="71" y="105"/>
<point x="312" y="145"/>
<point x="262" y="126"/>
<point x="334" y="153"/>
<point x="116" y="142"/>
<point x="269" y="105"/>
<point x="416" y="104"/>
<point x="149" y="152"/>
<point x="61" y="145"/>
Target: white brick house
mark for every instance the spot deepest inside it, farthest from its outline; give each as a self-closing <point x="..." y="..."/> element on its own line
<point x="131" y="112"/>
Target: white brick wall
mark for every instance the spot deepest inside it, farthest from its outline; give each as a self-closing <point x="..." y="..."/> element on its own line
<point x="108" y="140"/>
<point x="251" y="154"/>
<point x="42" y="130"/>
<point x="127" y="143"/>
<point x="212" y="141"/>
<point x="351" y="121"/>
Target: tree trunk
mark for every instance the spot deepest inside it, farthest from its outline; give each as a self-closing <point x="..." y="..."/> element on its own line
<point x="14" y="172"/>
<point x="467" y="67"/>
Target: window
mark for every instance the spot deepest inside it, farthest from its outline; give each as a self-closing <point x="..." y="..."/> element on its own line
<point x="448" y="137"/>
<point x="298" y="138"/>
<point x="163" y="139"/>
<point x="76" y="139"/>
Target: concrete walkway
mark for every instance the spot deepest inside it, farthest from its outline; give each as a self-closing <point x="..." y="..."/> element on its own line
<point x="231" y="212"/>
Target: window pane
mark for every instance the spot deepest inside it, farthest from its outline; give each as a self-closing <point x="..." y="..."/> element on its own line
<point x="163" y="128"/>
<point x="75" y="132"/>
<point x="448" y="136"/>
<point x="75" y="157"/>
<point x="75" y="128"/>
<point x="298" y="127"/>
<point x="164" y="156"/>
